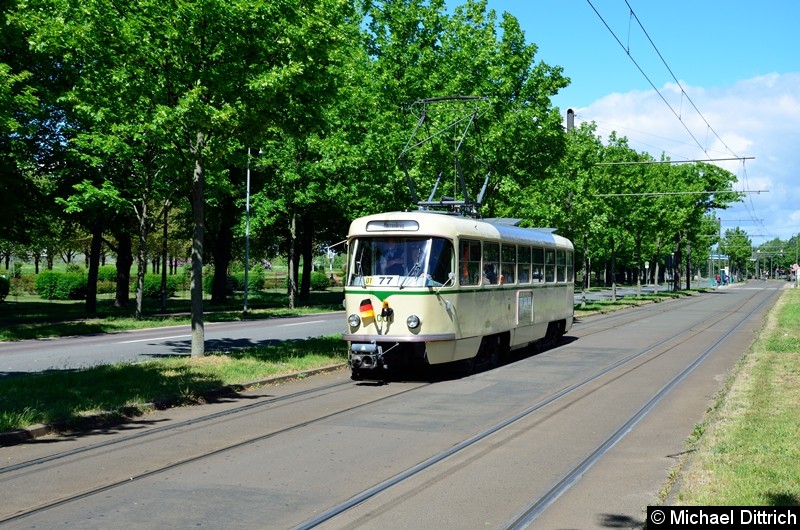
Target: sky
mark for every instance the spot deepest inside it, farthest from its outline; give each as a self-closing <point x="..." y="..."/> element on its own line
<point x="700" y="79"/>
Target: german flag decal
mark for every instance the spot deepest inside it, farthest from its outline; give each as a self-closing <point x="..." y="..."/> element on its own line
<point x="366" y="309"/>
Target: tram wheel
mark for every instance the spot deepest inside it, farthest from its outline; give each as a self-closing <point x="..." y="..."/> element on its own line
<point x="489" y="353"/>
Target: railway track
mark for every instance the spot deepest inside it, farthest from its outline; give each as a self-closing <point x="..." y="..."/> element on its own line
<point x="340" y="402"/>
<point x="525" y="517"/>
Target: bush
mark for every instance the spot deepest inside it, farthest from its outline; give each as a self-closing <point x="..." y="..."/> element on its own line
<point x="319" y="281"/>
<point x="152" y="286"/>
<point x="52" y="285"/>
<point x="26" y="283"/>
<point x="106" y="287"/>
<point x="107" y="273"/>
<point x="73" y="267"/>
<point x="255" y="280"/>
<point x="5" y="286"/>
<point x="47" y="284"/>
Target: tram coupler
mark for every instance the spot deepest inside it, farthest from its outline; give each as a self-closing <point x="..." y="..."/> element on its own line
<point x="366" y="356"/>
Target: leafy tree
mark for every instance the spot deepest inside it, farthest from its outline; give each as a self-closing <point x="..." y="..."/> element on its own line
<point x="184" y="83"/>
<point x="739" y="248"/>
<point x="31" y="138"/>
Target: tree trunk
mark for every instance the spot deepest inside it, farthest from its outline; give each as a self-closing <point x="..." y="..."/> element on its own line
<point x="613" y="271"/>
<point x="122" y="294"/>
<point x="688" y="266"/>
<point x="676" y="264"/>
<point x="220" y="248"/>
<point x="141" y="258"/>
<point x="638" y="269"/>
<point x="196" y="283"/>
<point x="164" y="259"/>
<point x="292" y="272"/>
<point x="307" y="250"/>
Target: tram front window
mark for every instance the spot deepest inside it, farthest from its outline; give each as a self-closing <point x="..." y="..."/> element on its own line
<point x="400" y="261"/>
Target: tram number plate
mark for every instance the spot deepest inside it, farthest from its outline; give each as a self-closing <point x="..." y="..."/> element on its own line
<point x="380" y="280"/>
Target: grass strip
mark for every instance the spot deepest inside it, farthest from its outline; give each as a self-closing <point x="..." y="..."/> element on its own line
<point x="749" y="452"/>
<point x="67" y="397"/>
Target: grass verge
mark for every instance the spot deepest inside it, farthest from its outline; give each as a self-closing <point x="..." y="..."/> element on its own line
<point x="67" y="398"/>
<point x="748" y="450"/>
<point x="33" y="318"/>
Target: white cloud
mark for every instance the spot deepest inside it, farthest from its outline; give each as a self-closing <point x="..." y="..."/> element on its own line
<point x="757" y="117"/>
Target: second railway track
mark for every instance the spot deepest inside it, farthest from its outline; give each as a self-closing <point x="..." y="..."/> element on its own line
<point x="378" y="477"/>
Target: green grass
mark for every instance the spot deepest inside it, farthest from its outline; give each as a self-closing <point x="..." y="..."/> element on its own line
<point x="628" y="301"/>
<point x="31" y="318"/>
<point x="749" y="454"/>
<point x="67" y="397"/>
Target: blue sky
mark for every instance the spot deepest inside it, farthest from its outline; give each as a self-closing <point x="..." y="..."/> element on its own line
<point x="737" y="61"/>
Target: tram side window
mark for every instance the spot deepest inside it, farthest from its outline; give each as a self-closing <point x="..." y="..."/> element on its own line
<point x="524" y="264"/>
<point x="570" y="267"/>
<point x="470" y="266"/>
<point x="508" y="264"/>
<point x="491" y="263"/>
<point x="561" y="265"/>
<point x="537" y="272"/>
<point x="549" y="265"/>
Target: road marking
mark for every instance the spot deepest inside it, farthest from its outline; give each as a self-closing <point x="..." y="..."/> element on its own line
<point x="301" y="323"/>
<point x="153" y="339"/>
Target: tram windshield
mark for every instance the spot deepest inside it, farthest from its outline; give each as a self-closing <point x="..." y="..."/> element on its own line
<point x="400" y="261"/>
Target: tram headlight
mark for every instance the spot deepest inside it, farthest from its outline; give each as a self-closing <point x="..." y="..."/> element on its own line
<point x="413" y="322"/>
<point x="354" y="320"/>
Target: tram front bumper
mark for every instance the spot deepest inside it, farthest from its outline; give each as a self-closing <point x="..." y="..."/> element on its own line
<point x="373" y="352"/>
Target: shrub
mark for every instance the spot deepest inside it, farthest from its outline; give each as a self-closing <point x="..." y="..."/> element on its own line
<point x="26" y="283"/>
<point x="152" y="286"/>
<point x="47" y="284"/>
<point x="107" y="273"/>
<point x="52" y="285"/>
<point x="255" y="280"/>
<point x="5" y="286"/>
<point x="319" y="281"/>
<point x="73" y="267"/>
<point x="105" y="287"/>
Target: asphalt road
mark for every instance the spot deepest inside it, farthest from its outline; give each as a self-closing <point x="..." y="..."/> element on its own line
<point x="132" y="346"/>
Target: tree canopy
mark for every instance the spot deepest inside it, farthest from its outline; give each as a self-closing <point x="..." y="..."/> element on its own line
<point x="114" y="114"/>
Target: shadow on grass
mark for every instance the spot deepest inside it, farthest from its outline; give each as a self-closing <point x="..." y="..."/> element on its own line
<point x="783" y="499"/>
<point x="115" y="393"/>
<point x="36" y="318"/>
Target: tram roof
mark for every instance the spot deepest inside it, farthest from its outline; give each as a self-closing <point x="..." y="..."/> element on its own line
<point x="448" y="225"/>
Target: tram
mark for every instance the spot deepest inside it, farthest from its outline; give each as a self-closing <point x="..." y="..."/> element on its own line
<point x="426" y="288"/>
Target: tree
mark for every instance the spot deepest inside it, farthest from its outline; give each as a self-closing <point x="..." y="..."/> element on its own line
<point x="189" y="82"/>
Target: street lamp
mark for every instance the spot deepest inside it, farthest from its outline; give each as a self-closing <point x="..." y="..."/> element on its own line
<point x="247" y="233"/>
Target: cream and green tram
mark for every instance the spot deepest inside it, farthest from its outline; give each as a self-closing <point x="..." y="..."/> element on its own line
<point x="428" y="288"/>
